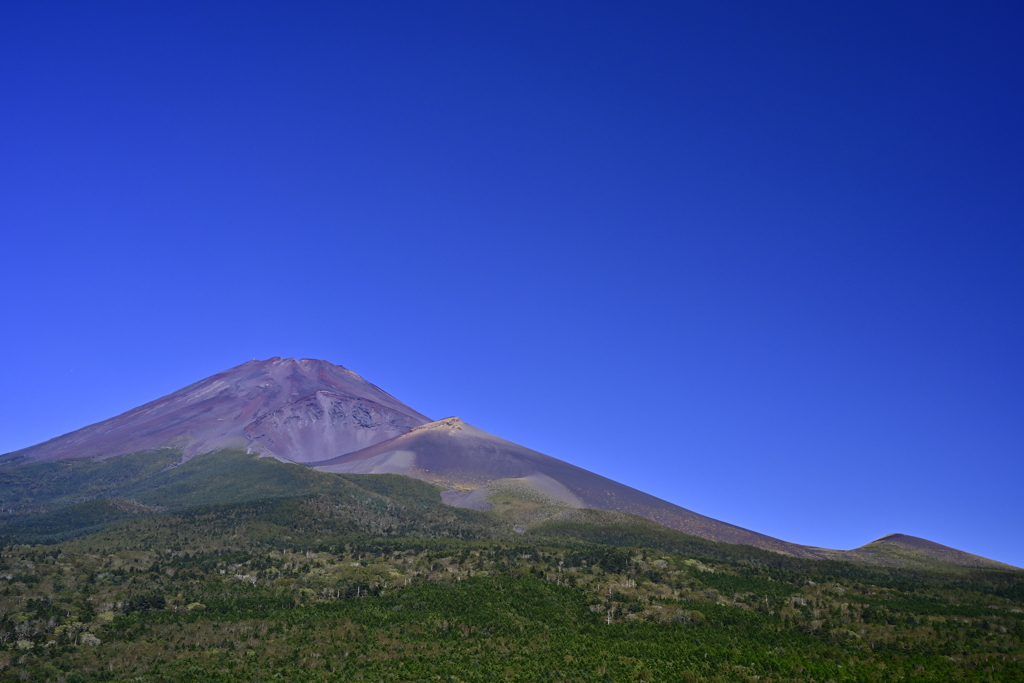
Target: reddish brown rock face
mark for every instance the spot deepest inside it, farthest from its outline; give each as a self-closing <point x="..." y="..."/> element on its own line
<point x="300" y="410"/>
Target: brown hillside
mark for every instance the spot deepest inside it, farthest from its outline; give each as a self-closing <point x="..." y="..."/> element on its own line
<point x="463" y="458"/>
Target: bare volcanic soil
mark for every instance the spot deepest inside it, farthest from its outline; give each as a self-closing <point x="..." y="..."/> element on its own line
<point x="464" y="458"/>
<point x="299" y="410"/>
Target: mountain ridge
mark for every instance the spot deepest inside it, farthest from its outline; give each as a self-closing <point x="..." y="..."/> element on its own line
<point x="314" y="413"/>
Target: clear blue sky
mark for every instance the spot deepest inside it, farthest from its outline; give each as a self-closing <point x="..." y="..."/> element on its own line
<point x="764" y="262"/>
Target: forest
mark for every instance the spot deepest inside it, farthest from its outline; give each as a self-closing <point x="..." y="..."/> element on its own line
<point x="372" y="578"/>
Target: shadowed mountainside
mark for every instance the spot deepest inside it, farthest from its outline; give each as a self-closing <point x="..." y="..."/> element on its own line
<point x="300" y="410"/>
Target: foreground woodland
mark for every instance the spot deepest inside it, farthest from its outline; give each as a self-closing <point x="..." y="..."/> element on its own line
<point x="371" y="577"/>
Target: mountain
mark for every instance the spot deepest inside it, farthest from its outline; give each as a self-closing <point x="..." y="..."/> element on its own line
<point x="298" y="410"/>
<point x="371" y="577"/>
<point x="901" y="550"/>
<point x="330" y="419"/>
<point x="375" y="544"/>
<point x="474" y="465"/>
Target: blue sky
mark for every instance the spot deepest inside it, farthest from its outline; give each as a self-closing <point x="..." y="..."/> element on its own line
<point x="764" y="262"/>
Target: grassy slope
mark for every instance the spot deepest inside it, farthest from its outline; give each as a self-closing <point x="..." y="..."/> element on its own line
<point x="151" y="478"/>
<point x="42" y="487"/>
<point x="54" y="501"/>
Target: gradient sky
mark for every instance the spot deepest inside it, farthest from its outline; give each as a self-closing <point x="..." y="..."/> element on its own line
<point x="763" y="262"/>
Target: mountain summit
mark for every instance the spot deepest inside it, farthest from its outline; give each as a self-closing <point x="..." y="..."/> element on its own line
<point x="329" y="418"/>
<point x="298" y="410"/>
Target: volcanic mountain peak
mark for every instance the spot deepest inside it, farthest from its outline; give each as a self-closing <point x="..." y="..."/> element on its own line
<point x="298" y="410"/>
<point x="326" y="416"/>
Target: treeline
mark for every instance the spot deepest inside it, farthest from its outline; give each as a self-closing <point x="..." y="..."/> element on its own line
<point x="375" y="579"/>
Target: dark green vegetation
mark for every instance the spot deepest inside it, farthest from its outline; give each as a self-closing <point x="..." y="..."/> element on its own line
<point x="155" y="479"/>
<point x="306" y="576"/>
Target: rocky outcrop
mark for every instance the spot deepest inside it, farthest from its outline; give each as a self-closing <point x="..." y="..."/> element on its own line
<point x="327" y="424"/>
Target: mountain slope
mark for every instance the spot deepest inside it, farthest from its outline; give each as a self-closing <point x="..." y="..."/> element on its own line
<point x="312" y="412"/>
<point x="298" y="410"/>
<point x="471" y="462"/>
<point x="904" y="551"/>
